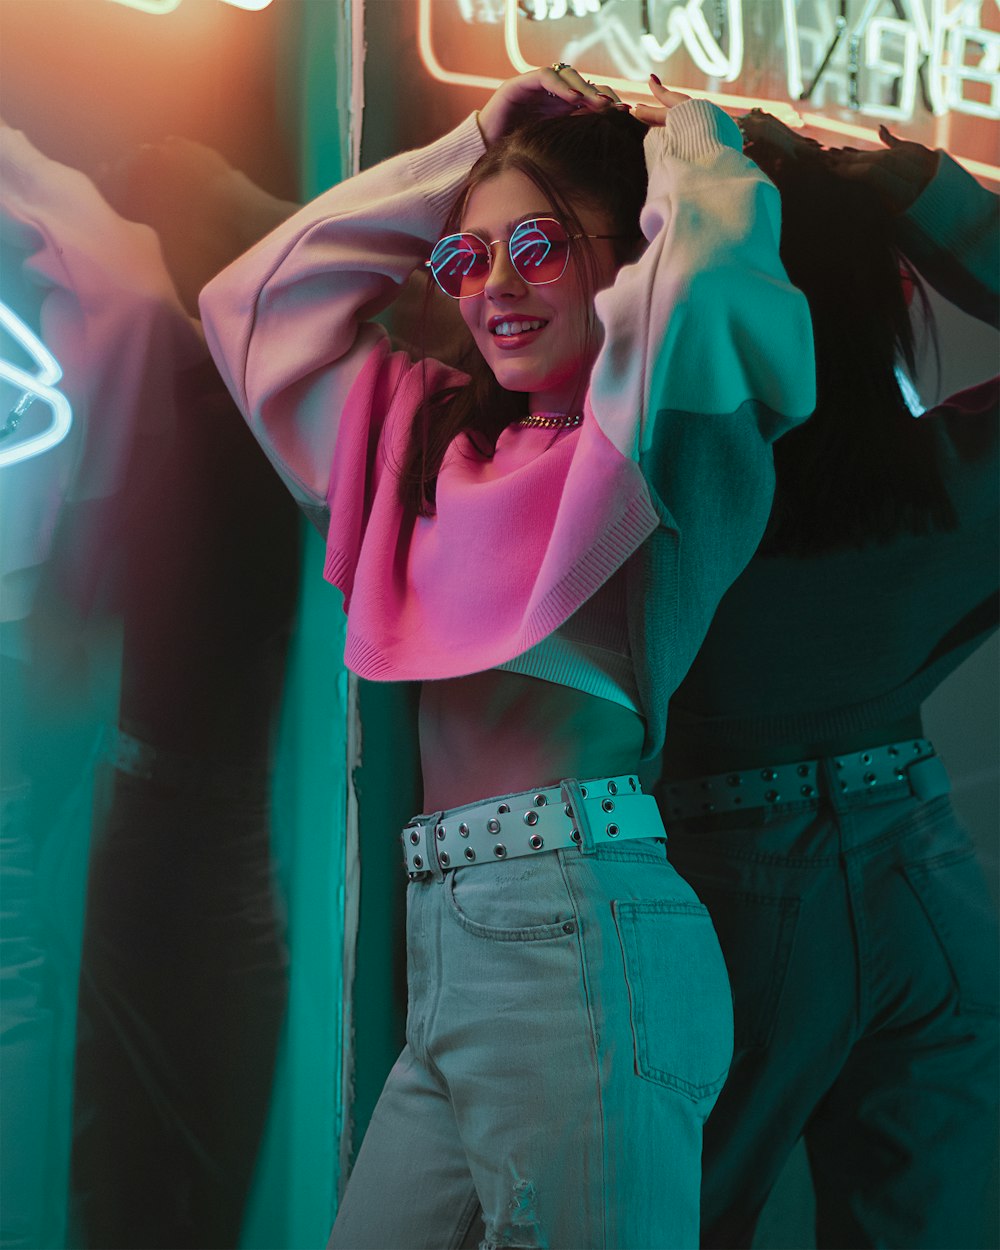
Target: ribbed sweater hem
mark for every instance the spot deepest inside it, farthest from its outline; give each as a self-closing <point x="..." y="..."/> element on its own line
<point x="623" y="537"/>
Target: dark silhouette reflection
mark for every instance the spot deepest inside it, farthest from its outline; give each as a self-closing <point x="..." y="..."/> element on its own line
<point x="156" y="522"/>
<point x="183" y="975"/>
<point x="801" y="797"/>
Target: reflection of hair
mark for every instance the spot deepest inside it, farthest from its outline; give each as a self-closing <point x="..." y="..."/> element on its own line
<point x="594" y="159"/>
<point x="862" y="469"/>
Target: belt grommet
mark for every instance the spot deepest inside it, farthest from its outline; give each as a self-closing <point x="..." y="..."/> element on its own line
<point x="531" y="817"/>
<point x="866" y="758"/>
<point x="417" y="862"/>
<point x="535" y="842"/>
<point x="414" y="837"/>
<point x="612" y="787"/>
<point x="503" y="809"/>
<point x="540" y="800"/>
<point x="808" y="792"/>
<point x="575" y="836"/>
<point x="440" y="831"/>
<point x="470" y="854"/>
<point x="870" y="779"/>
<point x="463" y="830"/>
<point x="803" y="770"/>
<point x="444" y="858"/>
<point x="493" y="825"/>
<point x="734" y="779"/>
<point x="613" y="831"/>
<point x="772" y="796"/>
<point x="499" y="850"/>
<point x="608" y="805"/>
<point x="568" y="810"/>
<point x="583" y="791"/>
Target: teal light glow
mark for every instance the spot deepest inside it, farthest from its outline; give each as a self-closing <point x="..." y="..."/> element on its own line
<point x="40" y="386"/>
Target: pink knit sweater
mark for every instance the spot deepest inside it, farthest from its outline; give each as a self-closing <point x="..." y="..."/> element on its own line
<point x="707" y="356"/>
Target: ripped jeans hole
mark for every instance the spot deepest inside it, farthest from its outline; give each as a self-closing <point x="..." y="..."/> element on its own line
<point x="522" y="1231"/>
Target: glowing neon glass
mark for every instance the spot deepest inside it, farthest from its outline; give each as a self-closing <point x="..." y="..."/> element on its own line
<point x="538" y="248"/>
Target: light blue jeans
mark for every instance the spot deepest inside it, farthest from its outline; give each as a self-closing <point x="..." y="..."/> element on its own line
<point x="569" y="1029"/>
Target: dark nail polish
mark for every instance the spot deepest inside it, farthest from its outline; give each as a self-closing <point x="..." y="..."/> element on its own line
<point x="656" y="80"/>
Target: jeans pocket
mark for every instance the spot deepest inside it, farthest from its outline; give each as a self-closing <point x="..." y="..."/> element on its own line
<point x="514" y="901"/>
<point x="756" y="933"/>
<point x="680" y="1002"/>
<point x="953" y="893"/>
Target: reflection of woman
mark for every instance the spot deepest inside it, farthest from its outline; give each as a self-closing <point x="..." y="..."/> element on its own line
<point x="802" y="800"/>
<point x="183" y="977"/>
<point x="93" y="287"/>
<point x="511" y="532"/>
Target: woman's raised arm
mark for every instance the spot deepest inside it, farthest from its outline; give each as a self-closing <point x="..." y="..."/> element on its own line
<point x="289" y="323"/>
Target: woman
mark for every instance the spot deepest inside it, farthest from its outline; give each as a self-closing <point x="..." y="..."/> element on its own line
<point x="802" y="799"/>
<point x="529" y="537"/>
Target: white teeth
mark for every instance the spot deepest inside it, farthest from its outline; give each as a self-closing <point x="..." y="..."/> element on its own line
<point x="505" y="328"/>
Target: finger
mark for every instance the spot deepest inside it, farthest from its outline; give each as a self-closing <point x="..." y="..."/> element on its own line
<point x="561" y="84"/>
<point x="649" y="114"/>
<point x="578" y="89"/>
<point x="607" y="92"/>
<point x="665" y="95"/>
<point x="888" y="138"/>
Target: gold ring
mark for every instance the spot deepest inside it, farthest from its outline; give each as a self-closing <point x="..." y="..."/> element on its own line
<point x="558" y="65"/>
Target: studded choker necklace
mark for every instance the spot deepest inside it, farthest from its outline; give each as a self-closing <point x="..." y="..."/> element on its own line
<point x="553" y="420"/>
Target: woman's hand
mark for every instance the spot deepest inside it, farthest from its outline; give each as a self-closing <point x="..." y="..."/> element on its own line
<point x="656" y="114"/>
<point x="898" y="172"/>
<point x="548" y="92"/>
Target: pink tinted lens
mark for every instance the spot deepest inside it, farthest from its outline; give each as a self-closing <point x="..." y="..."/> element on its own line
<point x="460" y="264"/>
<point x="539" y="250"/>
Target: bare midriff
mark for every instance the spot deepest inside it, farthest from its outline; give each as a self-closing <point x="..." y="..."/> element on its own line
<point x="499" y="733"/>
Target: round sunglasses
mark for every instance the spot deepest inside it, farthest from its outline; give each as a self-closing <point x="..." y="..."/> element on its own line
<point x="538" y="248"/>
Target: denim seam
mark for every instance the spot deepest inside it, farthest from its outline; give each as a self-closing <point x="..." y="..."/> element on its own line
<point x="588" y="996"/>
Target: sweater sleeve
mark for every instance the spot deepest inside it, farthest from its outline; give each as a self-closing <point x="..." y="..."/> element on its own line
<point x="97" y="289"/>
<point x="290" y="322"/>
<point x="709" y="342"/>
<point x="951" y="232"/>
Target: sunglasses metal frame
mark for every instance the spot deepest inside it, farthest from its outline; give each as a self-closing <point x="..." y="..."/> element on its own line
<point x="507" y="242"/>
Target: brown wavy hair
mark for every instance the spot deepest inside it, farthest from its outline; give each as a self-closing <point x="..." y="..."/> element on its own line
<point x="593" y="159"/>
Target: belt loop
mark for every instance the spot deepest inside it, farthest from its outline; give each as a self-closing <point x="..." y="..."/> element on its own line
<point x="928" y="778"/>
<point x="572" y="796"/>
<point x="827" y="771"/>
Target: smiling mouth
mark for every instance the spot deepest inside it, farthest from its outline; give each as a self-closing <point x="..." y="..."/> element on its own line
<point x="510" y="327"/>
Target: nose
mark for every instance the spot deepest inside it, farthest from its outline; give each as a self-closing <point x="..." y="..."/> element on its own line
<point x="503" y="279"/>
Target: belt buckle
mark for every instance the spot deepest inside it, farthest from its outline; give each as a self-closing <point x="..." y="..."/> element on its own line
<point x="422" y="848"/>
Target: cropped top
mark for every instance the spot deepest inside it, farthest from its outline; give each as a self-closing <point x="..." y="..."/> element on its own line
<point x="590" y="651"/>
<point x="706" y="358"/>
<point x="812" y="649"/>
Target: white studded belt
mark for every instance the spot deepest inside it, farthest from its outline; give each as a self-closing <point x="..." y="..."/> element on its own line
<point x="583" y="814"/>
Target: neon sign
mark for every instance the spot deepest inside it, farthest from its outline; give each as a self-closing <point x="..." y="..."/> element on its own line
<point x="168" y="6"/>
<point x="832" y="65"/>
<point x="32" y="387"/>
